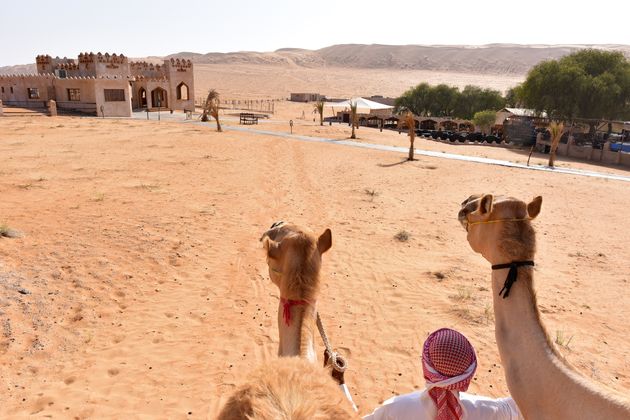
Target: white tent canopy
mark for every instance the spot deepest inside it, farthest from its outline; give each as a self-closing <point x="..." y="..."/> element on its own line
<point x="364" y="106"/>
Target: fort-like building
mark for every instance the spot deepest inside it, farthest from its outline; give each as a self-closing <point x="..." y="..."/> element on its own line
<point x="102" y="84"/>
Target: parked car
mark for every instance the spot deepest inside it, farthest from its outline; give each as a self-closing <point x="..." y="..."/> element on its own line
<point x="492" y="138"/>
<point x="476" y="136"/>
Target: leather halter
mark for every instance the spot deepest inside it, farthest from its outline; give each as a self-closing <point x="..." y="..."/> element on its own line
<point x="484" y="222"/>
<point x="512" y="274"/>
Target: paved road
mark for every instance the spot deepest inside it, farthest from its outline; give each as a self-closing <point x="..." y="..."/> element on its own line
<point x="397" y="149"/>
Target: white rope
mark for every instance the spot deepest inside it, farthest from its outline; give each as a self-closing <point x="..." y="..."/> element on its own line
<point x="338" y="362"/>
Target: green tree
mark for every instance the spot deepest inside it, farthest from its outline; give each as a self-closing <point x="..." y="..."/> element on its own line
<point x="485" y="119"/>
<point x="416" y="100"/>
<point x="513" y="97"/>
<point x="447" y="101"/>
<point x="590" y="84"/>
<point x="442" y="100"/>
<point x="474" y="99"/>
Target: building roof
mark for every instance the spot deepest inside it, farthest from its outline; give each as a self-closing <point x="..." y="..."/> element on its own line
<point x="363" y="105"/>
<point x="524" y="112"/>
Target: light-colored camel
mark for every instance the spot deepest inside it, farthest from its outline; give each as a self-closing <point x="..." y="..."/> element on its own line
<point x="540" y="381"/>
<point x="294" y="257"/>
<point x="292" y="387"/>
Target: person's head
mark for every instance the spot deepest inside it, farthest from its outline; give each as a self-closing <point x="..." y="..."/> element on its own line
<point x="448" y="363"/>
<point x="447" y="354"/>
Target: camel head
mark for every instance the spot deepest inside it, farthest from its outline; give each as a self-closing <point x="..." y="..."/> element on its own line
<point x="499" y="228"/>
<point x="294" y="256"/>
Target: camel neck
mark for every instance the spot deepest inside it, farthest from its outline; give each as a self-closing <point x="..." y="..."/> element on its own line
<point x="532" y="365"/>
<point x="296" y="326"/>
<point x="527" y="356"/>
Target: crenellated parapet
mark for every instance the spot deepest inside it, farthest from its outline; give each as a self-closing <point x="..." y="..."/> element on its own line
<point x="102" y="58"/>
<point x="43" y="59"/>
<point x="151" y="79"/>
<point x="181" y="65"/>
<point x="46" y="76"/>
<point x="143" y="65"/>
<point x="67" y="66"/>
<point x="144" y="69"/>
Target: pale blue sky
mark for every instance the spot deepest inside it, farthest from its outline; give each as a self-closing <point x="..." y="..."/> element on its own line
<point x="139" y="28"/>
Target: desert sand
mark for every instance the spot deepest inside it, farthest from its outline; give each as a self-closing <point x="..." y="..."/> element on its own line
<point x="249" y="81"/>
<point x="139" y="288"/>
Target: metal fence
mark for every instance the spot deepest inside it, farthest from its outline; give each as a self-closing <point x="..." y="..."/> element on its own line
<point x="258" y="105"/>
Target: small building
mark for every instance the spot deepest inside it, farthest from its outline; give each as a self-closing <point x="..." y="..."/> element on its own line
<point x="307" y="97"/>
<point x="102" y="84"/>
<point x="506" y="113"/>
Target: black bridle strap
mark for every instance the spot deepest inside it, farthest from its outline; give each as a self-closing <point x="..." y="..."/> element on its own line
<point x="512" y="274"/>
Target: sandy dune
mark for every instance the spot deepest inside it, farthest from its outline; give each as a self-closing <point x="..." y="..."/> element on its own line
<point x="245" y="81"/>
<point x="139" y="288"/>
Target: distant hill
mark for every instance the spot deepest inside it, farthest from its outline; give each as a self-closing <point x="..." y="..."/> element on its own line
<point x="490" y="59"/>
<point x="493" y="58"/>
<point x="19" y="69"/>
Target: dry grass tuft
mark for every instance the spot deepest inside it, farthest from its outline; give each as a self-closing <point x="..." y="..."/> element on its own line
<point x="402" y="236"/>
<point x="100" y="197"/>
<point x="463" y="294"/>
<point x="562" y="340"/>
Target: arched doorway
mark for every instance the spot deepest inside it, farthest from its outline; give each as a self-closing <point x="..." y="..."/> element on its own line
<point x="142" y="98"/>
<point x="182" y="91"/>
<point x="158" y="98"/>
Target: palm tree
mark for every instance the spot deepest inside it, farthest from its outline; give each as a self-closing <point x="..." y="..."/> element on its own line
<point x="319" y="106"/>
<point x="211" y="106"/>
<point x="556" y="129"/>
<point x="408" y="120"/>
<point x="353" y="118"/>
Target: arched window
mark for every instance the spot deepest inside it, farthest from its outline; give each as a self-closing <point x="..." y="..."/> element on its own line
<point x="182" y="91"/>
<point x="142" y="97"/>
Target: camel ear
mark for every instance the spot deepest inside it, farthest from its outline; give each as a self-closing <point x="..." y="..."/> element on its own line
<point x="272" y="247"/>
<point x="485" y="204"/>
<point x="533" y="208"/>
<point x="324" y="242"/>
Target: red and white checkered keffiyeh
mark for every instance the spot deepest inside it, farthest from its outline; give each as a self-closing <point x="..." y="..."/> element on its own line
<point x="448" y="364"/>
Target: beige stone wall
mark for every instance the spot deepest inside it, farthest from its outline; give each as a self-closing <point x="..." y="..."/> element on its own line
<point x="580" y="152"/>
<point x="305" y="97"/>
<point x="112" y="109"/>
<point x="607" y="156"/>
<point x="14" y="90"/>
<point x="151" y="86"/>
<point x="177" y="73"/>
<point x="87" y="94"/>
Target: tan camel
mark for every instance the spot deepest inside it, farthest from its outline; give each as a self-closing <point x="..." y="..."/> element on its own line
<point x="540" y="381"/>
<point x="294" y="257"/>
<point x="292" y="387"/>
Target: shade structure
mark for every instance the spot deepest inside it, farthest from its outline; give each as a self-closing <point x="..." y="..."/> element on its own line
<point x="364" y="106"/>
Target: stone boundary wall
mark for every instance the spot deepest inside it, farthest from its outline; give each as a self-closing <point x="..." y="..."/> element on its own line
<point x="570" y="149"/>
